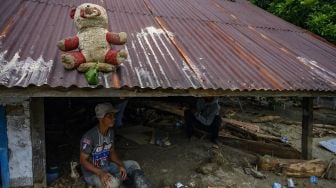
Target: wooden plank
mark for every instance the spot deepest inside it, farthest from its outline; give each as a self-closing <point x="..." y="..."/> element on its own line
<point x="262" y="148"/>
<point x="248" y="128"/>
<point x="167" y="108"/>
<point x="307" y="127"/>
<point x="243" y="125"/>
<point x="317" y="125"/>
<point x="263" y="119"/>
<point x="38" y="141"/>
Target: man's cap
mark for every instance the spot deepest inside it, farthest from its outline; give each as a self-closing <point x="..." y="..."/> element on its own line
<point x="103" y="108"/>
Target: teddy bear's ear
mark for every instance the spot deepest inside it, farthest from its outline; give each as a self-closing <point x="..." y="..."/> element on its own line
<point x="72" y="13"/>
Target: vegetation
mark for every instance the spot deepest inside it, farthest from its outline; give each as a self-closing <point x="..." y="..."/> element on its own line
<point x="318" y="16"/>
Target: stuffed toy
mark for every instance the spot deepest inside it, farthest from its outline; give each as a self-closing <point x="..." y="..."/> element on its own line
<point x="93" y="40"/>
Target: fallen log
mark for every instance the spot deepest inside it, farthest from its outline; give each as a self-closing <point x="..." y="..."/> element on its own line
<point x="293" y="167"/>
<point x="262" y="148"/>
<point x="271" y="163"/>
<point x="248" y="128"/>
<point x="305" y="169"/>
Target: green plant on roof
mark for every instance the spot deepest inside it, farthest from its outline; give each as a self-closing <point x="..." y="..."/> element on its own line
<point x="91" y="75"/>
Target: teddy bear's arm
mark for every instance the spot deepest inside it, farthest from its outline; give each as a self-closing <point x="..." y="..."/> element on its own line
<point x="116" y="38"/>
<point x="68" y="44"/>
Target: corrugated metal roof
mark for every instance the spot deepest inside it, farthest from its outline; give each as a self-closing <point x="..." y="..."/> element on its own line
<point x="179" y="44"/>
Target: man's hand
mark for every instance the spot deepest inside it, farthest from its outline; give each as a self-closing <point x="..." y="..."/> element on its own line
<point x="123" y="172"/>
<point x="105" y="178"/>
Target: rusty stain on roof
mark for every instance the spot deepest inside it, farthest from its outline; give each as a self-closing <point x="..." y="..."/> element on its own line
<point x="181" y="51"/>
<point x="240" y="51"/>
<point x="178" y="44"/>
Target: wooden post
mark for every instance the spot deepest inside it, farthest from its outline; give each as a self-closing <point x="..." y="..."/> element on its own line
<point x="38" y="141"/>
<point x="307" y="127"/>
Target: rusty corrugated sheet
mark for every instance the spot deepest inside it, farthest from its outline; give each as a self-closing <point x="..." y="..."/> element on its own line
<point x="179" y="44"/>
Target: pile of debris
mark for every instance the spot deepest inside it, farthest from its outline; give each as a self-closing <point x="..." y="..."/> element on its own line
<point x="266" y="143"/>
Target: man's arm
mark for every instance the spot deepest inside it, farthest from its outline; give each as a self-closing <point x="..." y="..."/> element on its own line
<point x="104" y="176"/>
<point x="212" y="110"/>
<point x="83" y="160"/>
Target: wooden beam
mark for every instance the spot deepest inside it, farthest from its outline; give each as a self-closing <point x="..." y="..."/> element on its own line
<point x="248" y="129"/>
<point x="166" y="107"/>
<point x="243" y="125"/>
<point x="307" y="127"/>
<point x="38" y="141"/>
<point x="262" y="148"/>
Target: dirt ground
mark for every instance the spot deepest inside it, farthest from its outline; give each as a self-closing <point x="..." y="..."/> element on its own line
<point x="195" y="163"/>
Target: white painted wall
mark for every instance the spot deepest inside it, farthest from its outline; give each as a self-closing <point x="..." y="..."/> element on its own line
<point x="20" y="146"/>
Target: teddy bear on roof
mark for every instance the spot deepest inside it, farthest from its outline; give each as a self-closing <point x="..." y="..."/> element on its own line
<point x="93" y="41"/>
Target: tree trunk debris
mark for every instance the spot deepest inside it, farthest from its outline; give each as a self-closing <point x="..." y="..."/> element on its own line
<point x="293" y="167"/>
<point x="305" y="169"/>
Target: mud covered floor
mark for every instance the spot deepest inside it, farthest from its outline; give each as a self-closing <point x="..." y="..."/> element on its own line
<point x="195" y="163"/>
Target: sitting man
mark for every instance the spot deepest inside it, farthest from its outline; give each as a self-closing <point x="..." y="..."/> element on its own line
<point x="100" y="163"/>
<point x="204" y="116"/>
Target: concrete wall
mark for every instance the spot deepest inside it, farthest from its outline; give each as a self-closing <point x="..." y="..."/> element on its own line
<point x="19" y="141"/>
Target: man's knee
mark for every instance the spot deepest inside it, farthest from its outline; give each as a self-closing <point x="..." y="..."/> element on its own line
<point x="137" y="179"/>
<point x="131" y="165"/>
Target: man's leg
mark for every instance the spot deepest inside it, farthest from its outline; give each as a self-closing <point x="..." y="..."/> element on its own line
<point x="119" y="116"/>
<point x="214" y="128"/>
<point x="188" y="118"/>
<point x="94" y="179"/>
